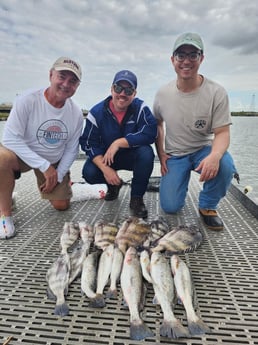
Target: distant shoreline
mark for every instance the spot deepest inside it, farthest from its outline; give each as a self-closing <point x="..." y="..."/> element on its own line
<point x="5" y="111"/>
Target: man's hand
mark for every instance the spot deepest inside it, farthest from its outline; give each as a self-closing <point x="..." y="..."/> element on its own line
<point x="51" y="180"/>
<point x="209" y="167"/>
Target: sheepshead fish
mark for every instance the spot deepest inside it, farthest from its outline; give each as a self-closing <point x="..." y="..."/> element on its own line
<point x="116" y="268"/>
<point x="80" y="252"/>
<point x="185" y="292"/>
<point x="132" y="233"/>
<point x="163" y="286"/>
<point x="57" y="278"/>
<point x="181" y="239"/>
<point x="104" y="270"/>
<point x="105" y="233"/>
<point x="69" y="236"/>
<point x="159" y="227"/>
<point x="86" y="233"/>
<point x="89" y="274"/>
<point x="132" y="287"/>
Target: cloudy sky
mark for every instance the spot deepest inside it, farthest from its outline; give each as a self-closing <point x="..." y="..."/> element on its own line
<point x="105" y="36"/>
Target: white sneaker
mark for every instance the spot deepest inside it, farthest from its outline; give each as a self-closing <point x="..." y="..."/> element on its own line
<point x="7" y="229"/>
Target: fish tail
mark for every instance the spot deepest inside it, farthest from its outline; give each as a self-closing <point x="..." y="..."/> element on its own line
<point x="97" y="302"/>
<point x="173" y="329"/>
<point x="139" y="331"/>
<point x="50" y="294"/>
<point x="61" y="309"/>
<point x="198" y="327"/>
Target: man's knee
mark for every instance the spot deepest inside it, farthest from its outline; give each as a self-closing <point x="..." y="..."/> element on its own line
<point x="171" y="208"/>
<point x="60" y="205"/>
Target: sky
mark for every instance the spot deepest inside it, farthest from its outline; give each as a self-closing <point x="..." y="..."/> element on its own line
<point x="105" y="36"/>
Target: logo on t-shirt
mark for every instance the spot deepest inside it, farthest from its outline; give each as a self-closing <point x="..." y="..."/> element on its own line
<point x="200" y="124"/>
<point x="52" y="134"/>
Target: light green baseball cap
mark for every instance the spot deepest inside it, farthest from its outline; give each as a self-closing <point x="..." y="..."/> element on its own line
<point x="188" y="38"/>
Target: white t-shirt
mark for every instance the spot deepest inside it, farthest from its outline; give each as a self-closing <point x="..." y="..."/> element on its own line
<point x="41" y="134"/>
<point x="191" y="117"/>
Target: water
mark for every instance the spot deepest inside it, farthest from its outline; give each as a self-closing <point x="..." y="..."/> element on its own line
<point x="244" y="149"/>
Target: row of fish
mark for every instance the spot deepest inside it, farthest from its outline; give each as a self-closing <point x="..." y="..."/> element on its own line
<point x="170" y="278"/>
<point x="113" y="257"/>
<point x="156" y="235"/>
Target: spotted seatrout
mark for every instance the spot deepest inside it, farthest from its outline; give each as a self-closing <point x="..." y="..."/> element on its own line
<point x="89" y="274"/>
<point x="104" y="270"/>
<point x="57" y="278"/>
<point x="185" y="292"/>
<point x="132" y="287"/>
<point x="164" y="293"/>
<point x="116" y="268"/>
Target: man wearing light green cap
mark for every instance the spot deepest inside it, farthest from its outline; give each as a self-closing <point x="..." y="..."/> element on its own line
<point x="193" y="133"/>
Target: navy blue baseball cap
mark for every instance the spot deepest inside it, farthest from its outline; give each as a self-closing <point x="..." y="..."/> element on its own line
<point x="126" y="75"/>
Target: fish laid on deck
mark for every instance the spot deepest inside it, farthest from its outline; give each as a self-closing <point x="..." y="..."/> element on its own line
<point x="57" y="278"/>
<point x="180" y="239"/>
<point x="132" y="233"/>
<point x="69" y="236"/>
<point x="145" y="264"/>
<point x="80" y="252"/>
<point x="104" y="270"/>
<point x="163" y="286"/>
<point x="132" y="287"/>
<point x="116" y="269"/>
<point x="89" y="274"/>
<point x="185" y="292"/>
<point x="105" y="233"/>
<point x="159" y="227"/>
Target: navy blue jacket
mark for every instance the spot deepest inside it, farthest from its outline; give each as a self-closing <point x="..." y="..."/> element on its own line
<point x="139" y="127"/>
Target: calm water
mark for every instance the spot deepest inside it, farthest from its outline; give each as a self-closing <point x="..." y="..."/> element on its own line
<point x="244" y="149"/>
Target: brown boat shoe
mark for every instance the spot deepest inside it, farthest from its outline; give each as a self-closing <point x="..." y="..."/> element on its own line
<point x="211" y="219"/>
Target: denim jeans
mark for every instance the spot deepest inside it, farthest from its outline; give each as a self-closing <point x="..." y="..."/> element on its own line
<point x="139" y="160"/>
<point x="174" y="185"/>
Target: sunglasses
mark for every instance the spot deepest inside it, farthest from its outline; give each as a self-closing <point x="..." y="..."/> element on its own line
<point x="127" y="89"/>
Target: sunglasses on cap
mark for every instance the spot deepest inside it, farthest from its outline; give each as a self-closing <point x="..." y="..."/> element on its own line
<point x="128" y="90"/>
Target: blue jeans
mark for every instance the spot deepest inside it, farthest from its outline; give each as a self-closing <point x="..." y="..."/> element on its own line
<point x="139" y="160"/>
<point x="174" y="185"/>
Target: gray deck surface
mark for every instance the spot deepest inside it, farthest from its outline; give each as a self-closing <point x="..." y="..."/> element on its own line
<point x="224" y="269"/>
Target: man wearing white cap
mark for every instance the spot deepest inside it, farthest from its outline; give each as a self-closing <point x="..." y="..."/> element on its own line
<point x="195" y="111"/>
<point x="42" y="133"/>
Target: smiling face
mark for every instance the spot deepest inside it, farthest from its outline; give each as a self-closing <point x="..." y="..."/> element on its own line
<point x="120" y="100"/>
<point x="189" y="66"/>
<point x="63" y="86"/>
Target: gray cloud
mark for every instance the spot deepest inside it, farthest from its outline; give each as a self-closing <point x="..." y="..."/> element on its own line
<point x="105" y="36"/>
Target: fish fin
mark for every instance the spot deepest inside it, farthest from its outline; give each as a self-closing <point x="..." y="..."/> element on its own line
<point x="50" y="294"/>
<point x="61" y="309"/>
<point x="112" y="294"/>
<point x="140" y="331"/>
<point x="173" y="329"/>
<point x="97" y="302"/>
<point x="198" y="327"/>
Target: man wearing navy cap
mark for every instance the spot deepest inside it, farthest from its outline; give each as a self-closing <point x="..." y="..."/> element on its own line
<point x="118" y="135"/>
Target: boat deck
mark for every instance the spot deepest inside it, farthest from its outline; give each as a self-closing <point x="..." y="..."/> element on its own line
<point x="224" y="270"/>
